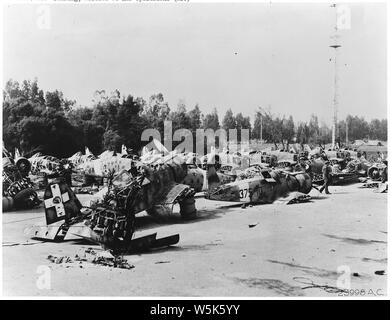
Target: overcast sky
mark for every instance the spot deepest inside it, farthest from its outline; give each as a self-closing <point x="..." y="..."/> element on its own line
<point x="237" y="56"/>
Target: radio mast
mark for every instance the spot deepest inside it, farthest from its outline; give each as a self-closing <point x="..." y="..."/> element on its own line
<point x="335" y="46"/>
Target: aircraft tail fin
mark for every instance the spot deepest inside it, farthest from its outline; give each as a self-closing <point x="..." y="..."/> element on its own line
<point x="61" y="204"/>
<point x="61" y="207"/>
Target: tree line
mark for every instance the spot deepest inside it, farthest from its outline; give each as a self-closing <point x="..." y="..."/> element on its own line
<point x="34" y="120"/>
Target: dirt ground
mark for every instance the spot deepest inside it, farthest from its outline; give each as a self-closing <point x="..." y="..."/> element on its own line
<point x="289" y="250"/>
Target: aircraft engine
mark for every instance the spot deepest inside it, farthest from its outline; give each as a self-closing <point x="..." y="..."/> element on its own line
<point x="23" y="165"/>
<point x="304" y="181"/>
<point x="375" y="172"/>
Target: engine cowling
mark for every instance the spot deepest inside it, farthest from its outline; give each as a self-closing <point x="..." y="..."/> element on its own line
<point x="304" y="181"/>
<point x="375" y="172"/>
<point x="23" y="165"/>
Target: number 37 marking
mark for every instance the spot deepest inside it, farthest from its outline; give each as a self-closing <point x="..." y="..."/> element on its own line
<point x="244" y="193"/>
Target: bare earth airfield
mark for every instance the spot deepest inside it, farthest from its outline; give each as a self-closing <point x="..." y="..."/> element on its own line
<point x="264" y="250"/>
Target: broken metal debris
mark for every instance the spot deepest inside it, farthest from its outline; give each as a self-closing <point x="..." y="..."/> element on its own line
<point x="107" y="260"/>
<point x="18" y="190"/>
<point x="383" y="188"/>
<point x="379" y="187"/>
<point x="59" y="260"/>
<point x="91" y="256"/>
<point x="295" y="197"/>
<point x="370" y="185"/>
<point x="380" y="272"/>
<point x="299" y="198"/>
<point x="150" y="242"/>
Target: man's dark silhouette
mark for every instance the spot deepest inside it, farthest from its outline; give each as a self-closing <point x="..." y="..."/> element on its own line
<point x="326" y="170"/>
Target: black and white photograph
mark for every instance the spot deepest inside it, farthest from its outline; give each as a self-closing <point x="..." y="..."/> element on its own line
<point x="185" y="149"/>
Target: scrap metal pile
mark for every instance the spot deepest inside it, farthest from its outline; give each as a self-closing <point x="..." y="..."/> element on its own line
<point x="18" y="190"/>
<point x="110" y="220"/>
<point x="124" y="185"/>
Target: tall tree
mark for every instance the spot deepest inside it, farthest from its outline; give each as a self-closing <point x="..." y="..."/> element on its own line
<point x="156" y="112"/>
<point x="211" y="120"/>
<point x="358" y="128"/>
<point x="303" y="133"/>
<point x="32" y="120"/>
<point x="229" y="121"/>
<point x="288" y="131"/>
<point x="180" y="118"/>
<point x="129" y="122"/>
<point x="272" y="127"/>
<point x="195" y="116"/>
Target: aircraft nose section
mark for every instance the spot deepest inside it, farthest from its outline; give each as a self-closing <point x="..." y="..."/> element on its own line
<point x="225" y="193"/>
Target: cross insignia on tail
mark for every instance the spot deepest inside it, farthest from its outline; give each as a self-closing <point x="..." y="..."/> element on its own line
<point x="57" y="201"/>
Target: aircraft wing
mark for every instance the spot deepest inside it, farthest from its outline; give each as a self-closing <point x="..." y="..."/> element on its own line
<point x="174" y="192"/>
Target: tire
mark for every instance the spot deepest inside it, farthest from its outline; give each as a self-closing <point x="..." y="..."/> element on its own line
<point x="188" y="209"/>
<point x="8" y="204"/>
<point x="22" y="199"/>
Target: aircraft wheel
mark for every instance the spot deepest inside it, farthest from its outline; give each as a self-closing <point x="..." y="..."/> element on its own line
<point x="188" y="209"/>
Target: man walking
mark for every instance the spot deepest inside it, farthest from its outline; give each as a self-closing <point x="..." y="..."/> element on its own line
<point x="384" y="172"/>
<point x="326" y="170"/>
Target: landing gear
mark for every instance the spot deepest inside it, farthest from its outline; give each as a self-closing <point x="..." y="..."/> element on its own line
<point x="187" y="208"/>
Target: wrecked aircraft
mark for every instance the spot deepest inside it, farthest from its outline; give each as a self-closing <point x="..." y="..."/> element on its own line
<point x="91" y="167"/>
<point x="344" y="170"/>
<point x="18" y="190"/>
<point x="110" y="221"/>
<point x="264" y="187"/>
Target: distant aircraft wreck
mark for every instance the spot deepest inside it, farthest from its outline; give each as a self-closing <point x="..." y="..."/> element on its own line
<point x="265" y="186"/>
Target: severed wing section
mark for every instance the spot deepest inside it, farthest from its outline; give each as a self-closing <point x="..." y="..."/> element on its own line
<point x="175" y="193"/>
